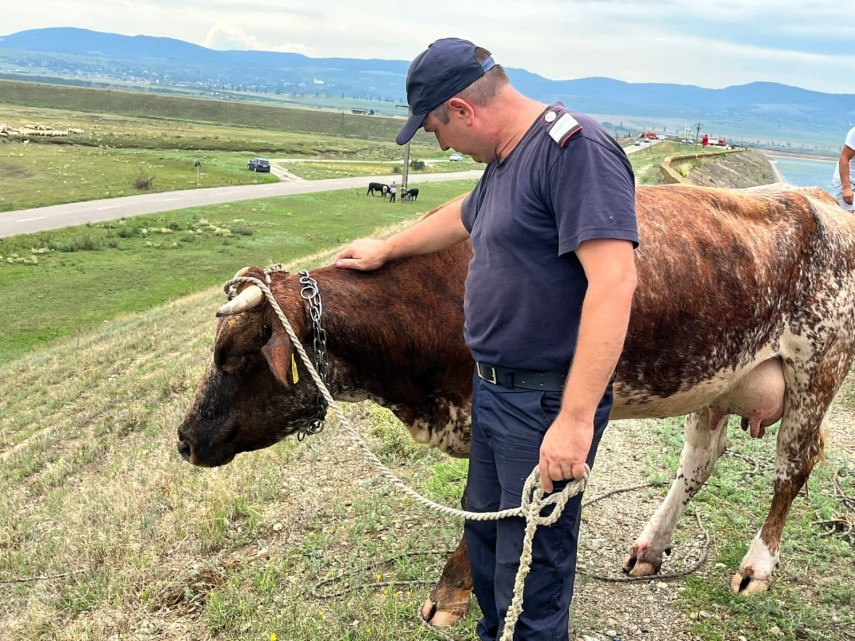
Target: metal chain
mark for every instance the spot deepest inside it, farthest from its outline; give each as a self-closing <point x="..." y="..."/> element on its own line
<point x="311" y="294"/>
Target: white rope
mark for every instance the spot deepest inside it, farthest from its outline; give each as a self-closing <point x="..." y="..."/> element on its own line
<point x="533" y="501"/>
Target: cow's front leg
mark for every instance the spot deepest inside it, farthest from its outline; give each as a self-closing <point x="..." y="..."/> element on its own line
<point x="449" y="600"/>
<point x="704" y="443"/>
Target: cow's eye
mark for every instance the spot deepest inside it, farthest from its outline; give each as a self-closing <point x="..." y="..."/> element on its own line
<point x="234" y="363"/>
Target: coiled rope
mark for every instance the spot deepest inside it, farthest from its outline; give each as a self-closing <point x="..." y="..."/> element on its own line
<point x="533" y="500"/>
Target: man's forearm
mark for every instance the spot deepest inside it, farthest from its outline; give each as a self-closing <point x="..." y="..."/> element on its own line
<point x="605" y="318"/>
<point x="437" y="231"/>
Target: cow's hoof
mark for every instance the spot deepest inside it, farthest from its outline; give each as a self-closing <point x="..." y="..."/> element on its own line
<point x="643" y="569"/>
<point x="444" y="615"/>
<point x="642" y="563"/>
<point x="746" y="584"/>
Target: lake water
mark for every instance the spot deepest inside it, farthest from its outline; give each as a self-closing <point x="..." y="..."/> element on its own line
<point x="806" y="173"/>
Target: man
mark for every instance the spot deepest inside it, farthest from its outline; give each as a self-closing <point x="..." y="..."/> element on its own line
<point x="843" y="180"/>
<point x="552" y="224"/>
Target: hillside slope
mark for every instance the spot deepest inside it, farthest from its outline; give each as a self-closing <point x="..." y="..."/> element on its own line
<point x="105" y="533"/>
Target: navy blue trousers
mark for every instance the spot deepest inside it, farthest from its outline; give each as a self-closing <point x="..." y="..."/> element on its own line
<point x="507" y="429"/>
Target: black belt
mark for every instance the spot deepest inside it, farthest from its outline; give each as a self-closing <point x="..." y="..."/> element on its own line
<point x="522" y="378"/>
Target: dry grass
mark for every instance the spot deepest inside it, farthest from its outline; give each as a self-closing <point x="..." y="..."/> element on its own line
<point x="106" y="534"/>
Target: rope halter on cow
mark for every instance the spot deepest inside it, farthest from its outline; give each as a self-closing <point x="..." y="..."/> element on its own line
<point x="533" y="500"/>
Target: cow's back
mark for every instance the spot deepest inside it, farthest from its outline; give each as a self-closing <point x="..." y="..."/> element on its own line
<point x="722" y="275"/>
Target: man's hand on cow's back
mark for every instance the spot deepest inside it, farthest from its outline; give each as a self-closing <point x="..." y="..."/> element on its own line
<point x="365" y="254"/>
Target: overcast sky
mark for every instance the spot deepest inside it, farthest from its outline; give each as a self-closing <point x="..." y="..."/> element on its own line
<point x="710" y="43"/>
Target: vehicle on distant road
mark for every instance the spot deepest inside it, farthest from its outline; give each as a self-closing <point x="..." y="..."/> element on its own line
<point x="456" y="157"/>
<point x="259" y="164"/>
<point x="687" y="141"/>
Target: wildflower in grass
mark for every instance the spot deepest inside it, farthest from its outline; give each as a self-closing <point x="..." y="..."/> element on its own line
<point x="273" y="636"/>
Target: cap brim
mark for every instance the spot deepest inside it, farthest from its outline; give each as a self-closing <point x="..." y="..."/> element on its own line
<point x="409" y="130"/>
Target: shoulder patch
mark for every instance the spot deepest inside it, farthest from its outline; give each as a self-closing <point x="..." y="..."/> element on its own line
<point x="564" y="128"/>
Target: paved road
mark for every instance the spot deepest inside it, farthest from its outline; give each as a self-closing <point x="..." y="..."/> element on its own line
<point x="27" y="221"/>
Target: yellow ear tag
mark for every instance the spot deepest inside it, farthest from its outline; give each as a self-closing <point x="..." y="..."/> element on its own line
<point x="294" y="375"/>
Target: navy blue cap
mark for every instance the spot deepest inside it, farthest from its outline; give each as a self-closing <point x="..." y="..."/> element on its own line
<point x="437" y="74"/>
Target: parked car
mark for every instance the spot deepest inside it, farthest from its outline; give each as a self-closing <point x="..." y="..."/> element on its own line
<point x="456" y="157"/>
<point x="259" y="164"/>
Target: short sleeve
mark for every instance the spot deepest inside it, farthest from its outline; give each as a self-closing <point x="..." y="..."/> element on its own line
<point x="591" y="190"/>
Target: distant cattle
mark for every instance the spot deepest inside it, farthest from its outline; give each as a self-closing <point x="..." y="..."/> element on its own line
<point x="380" y="188"/>
<point x="410" y="194"/>
<point x="745" y="306"/>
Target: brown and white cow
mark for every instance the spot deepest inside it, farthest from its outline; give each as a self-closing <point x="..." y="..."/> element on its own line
<point x="745" y="306"/>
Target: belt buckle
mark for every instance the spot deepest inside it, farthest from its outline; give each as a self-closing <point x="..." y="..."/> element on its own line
<point x="492" y="379"/>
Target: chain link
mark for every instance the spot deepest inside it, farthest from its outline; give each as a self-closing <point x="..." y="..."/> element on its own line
<point x="312" y="296"/>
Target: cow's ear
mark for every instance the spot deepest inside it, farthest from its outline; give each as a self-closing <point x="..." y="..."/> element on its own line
<point x="278" y="352"/>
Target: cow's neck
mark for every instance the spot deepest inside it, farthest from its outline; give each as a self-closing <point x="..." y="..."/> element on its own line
<point x="392" y="340"/>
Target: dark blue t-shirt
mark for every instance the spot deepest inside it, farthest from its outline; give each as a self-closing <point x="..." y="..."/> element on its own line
<point x="526" y="216"/>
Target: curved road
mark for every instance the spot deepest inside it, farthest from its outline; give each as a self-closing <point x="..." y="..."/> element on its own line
<point x="27" y="221"/>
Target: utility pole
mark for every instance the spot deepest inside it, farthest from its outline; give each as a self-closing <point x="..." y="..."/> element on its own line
<point x="406" y="170"/>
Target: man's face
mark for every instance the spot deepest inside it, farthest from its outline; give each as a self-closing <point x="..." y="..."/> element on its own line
<point x="443" y="131"/>
<point x="459" y="134"/>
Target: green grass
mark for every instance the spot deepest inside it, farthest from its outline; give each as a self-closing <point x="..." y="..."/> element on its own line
<point x="808" y="593"/>
<point x="104" y="161"/>
<point x="107" y="329"/>
<point x="134" y="542"/>
<point x="313" y="169"/>
<point x="646" y="162"/>
<point x="61" y="283"/>
<point x="198" y="110"/>
<point x="40" y="175"/>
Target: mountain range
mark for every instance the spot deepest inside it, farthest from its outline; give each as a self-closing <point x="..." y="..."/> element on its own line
<point x="771" y="111"/>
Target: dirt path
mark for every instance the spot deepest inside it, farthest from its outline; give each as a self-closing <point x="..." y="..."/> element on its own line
<point x="647" y="611"/>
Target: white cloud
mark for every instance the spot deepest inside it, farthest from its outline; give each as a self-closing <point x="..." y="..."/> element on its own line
<point x="712" y="43"/>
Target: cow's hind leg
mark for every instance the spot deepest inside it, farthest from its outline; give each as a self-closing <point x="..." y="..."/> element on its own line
<point x="706" y="439"/>
<point x="799" y="446"/>
<point x="449" y="600"/>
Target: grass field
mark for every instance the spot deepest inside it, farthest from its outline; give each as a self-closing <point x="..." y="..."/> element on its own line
<point x="60" y="283"/>
<point x="107" y="535"/>
<point x="220" y="112"/>
<point x="106" y="160"/>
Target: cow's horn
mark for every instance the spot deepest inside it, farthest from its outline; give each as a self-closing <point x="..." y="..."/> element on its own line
<point x="250" y="298"/>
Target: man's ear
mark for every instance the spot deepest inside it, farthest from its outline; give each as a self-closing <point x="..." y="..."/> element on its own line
<point x="459" y="106"/>
<point x="279" y="353"/>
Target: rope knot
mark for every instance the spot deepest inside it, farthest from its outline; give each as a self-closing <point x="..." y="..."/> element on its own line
<point x="533" y="501"/>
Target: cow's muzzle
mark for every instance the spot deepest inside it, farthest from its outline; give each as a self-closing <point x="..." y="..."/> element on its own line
<point x="185" y="450"/>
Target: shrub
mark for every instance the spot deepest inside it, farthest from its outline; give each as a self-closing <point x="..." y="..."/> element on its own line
<point x="241" y="229"/>
<point x="79" y="244"/>
<point x="144" y="180"/>
<point x="418" y="165"/>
